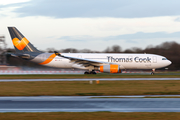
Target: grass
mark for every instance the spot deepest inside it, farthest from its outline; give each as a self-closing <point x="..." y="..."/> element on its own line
<point x="89" y="116"/>
<point x="83" y="88"/>
<point x="100" y="75"/>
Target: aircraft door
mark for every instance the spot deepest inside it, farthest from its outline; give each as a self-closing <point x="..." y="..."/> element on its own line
<point x="154" y="59"/>
<point x="43" y="57"/>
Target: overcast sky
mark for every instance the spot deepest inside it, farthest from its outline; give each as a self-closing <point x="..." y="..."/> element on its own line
<point x="92" y="24"/>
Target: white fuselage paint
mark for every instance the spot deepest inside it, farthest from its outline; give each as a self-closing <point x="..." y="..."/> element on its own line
<point x="126" y="61"/>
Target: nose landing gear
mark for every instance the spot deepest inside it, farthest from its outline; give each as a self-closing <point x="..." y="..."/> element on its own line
<point x="153" y="72"/>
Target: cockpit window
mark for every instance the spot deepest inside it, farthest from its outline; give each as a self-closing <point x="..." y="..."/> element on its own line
<point x="164" y="58"/>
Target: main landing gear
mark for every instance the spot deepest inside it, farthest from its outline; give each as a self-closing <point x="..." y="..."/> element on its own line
<point x="153" y="72"/>
<point x="90" y="72"/>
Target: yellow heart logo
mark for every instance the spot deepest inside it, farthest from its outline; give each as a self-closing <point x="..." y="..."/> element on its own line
<point x="20" y="44"/>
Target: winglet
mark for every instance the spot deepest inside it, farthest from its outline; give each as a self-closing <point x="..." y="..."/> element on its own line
<point x="56" y="53"/>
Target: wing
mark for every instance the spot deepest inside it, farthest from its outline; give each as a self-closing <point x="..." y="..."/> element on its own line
<point x="84" y="62"/>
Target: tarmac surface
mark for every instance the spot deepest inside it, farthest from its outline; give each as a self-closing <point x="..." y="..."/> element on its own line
<point x="88" y="79"/>
<point x="89" y="104"/>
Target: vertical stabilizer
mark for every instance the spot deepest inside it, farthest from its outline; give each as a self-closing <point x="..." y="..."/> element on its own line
<point x="20" y="43"/>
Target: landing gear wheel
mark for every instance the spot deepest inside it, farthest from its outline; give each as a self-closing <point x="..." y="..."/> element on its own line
<point x="86" y="72"/>
<point x="92" y="72"/>
<point x="152" y="73"/>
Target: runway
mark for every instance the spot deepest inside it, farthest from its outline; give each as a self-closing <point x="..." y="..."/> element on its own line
<point x="88" y="104"/>
<point x="87" y="79"/>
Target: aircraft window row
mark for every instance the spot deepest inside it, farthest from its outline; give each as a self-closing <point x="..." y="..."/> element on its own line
<point x="164" y="58"/>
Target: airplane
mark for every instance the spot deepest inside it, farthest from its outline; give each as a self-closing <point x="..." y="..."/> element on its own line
<point x="90" y="62"/>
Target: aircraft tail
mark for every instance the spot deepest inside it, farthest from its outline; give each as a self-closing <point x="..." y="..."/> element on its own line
<point x="20" y="43"/>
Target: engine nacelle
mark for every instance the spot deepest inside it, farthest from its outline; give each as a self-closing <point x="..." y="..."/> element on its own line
<point x="110" y="69"/>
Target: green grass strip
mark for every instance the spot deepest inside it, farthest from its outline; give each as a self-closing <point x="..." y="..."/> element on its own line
<point x="83" y="88"/>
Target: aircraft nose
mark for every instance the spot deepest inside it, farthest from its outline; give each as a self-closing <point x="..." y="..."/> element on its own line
<point x="169" y="62"/>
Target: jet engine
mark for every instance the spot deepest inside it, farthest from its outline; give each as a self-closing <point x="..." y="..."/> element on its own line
<point x="110" y="69"/>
